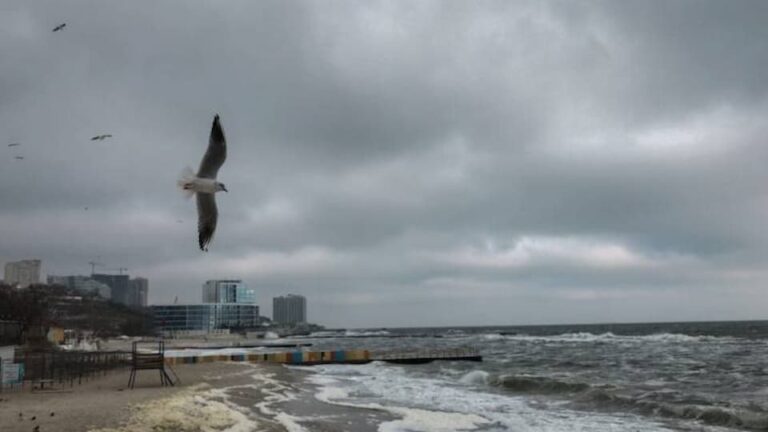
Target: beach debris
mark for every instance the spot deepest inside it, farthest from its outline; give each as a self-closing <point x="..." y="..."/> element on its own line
<point x="59" y="27"/>
<point x="36" y="429"/>
<point x="33" y="418"/>
<point x="101" y="137"/>
<point x="204" y="184"/>
<point x="52" y="413"/>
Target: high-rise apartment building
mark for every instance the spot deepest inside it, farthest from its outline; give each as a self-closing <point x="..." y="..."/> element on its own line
<point x="228" y="291"/>
<point x="138" y="291"/>
<point x="289" y="309"/>
<point x="22" y="273"/>
<point x="130" y="292"/>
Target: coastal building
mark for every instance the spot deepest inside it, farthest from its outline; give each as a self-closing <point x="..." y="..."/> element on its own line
<point x="130" y="292"/>
<point x="205" y="318"/>
<point x="228" y="291"/>
<point x="138" y="290"/>
<point x="22" y="273"/>
<point x="289" y="309"/>
<point x="82" y="284"/>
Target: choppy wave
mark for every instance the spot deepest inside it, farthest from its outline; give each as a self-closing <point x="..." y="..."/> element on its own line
<point x="430" y="404"/>
<point x="533" y="384"/>
<point x="604" y="337"/>
<point x="366" y="333"/>
<point x="590" y="397"/>
<point x="707" y="414"/>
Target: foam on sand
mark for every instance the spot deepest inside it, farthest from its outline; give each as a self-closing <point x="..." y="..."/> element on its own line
<point x="190" y="410"/>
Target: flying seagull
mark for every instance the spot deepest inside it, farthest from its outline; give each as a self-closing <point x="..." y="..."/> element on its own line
<point x="19" y="157"/>
<point x="59" y="27"/>
<point x="204" y="184"/>
<point x="14" y="144"/>
<point x="101" y="137"/>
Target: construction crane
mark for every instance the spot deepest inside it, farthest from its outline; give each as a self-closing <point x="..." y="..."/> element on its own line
<point x="120" y="270"/>
<point x="93" y="266"/>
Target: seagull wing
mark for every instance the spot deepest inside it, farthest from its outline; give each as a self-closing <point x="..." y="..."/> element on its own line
<point x="207" y="215"/>
<point x="216" y="153"/>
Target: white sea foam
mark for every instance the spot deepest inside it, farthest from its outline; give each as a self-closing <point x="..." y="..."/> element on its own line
<point x="424" y="403"/>
<point x="475" y="377"/>
<point x="366" y="333"/>
<point x="191" y="409"/>
<point x="604" y="337"/>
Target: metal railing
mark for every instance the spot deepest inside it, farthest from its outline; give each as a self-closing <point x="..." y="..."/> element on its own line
<point x="50" y="367"/>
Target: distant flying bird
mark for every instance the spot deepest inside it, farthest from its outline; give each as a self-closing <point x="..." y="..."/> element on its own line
<point x="19" y="157"/>
<point x="59" y="27"/>
<point x="204" y="184"/>
<point x="14" y="144"/>
<point x="101" y="137"/>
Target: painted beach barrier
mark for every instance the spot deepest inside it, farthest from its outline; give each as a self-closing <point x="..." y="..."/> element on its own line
<point x="308" y="358"/>
<point x="293" y="357"/>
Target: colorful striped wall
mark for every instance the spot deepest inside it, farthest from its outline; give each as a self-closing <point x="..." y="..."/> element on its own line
<point x="294" y="357"/>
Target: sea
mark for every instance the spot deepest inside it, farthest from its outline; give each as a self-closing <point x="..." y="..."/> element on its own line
<point x="694" y="376"/>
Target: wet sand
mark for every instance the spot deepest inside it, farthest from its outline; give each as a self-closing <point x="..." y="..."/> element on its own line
<point x="105" y="402"/>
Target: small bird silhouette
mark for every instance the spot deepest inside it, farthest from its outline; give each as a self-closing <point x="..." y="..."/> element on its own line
<point x="19" y="157"/>
<point x="101" y="137"/>
<point x="14" y="144"/>
<point x="59" y="27"/>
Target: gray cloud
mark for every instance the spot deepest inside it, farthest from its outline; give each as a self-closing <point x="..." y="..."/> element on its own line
<point x="400" y="163"/>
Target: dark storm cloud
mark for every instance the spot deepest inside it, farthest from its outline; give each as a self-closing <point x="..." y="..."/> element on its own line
<point x="494" y="161"/>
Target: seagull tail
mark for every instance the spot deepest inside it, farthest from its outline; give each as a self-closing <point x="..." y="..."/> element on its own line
<point x="187" y="175"/>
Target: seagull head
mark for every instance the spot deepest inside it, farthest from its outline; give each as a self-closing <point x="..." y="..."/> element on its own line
<point x="220" y="187"/>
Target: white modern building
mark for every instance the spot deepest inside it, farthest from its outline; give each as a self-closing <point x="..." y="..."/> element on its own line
<point x="205" y="318"/>
<point x="228" y="291"/>
<point x="22" y="273"/>
<point x="289" y="309"/>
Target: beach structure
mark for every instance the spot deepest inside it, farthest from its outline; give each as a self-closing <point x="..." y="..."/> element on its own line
<point x="311" y="358"/>
<point x="150" y="356"/>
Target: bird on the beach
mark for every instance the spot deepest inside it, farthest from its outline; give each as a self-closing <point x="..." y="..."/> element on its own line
<point x="204" y="184"/>
<point x="59" y="27"/>
<point x="101" y="137"/>
<point x="14" y="144"/>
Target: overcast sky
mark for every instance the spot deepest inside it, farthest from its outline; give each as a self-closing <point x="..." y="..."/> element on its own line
<point x="400" y="163"/>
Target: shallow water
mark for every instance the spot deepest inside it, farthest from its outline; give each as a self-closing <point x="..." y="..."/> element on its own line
<point x="639" y="377"/>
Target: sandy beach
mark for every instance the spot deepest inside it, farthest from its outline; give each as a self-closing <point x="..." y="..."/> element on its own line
<point x="105" y="404"/>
